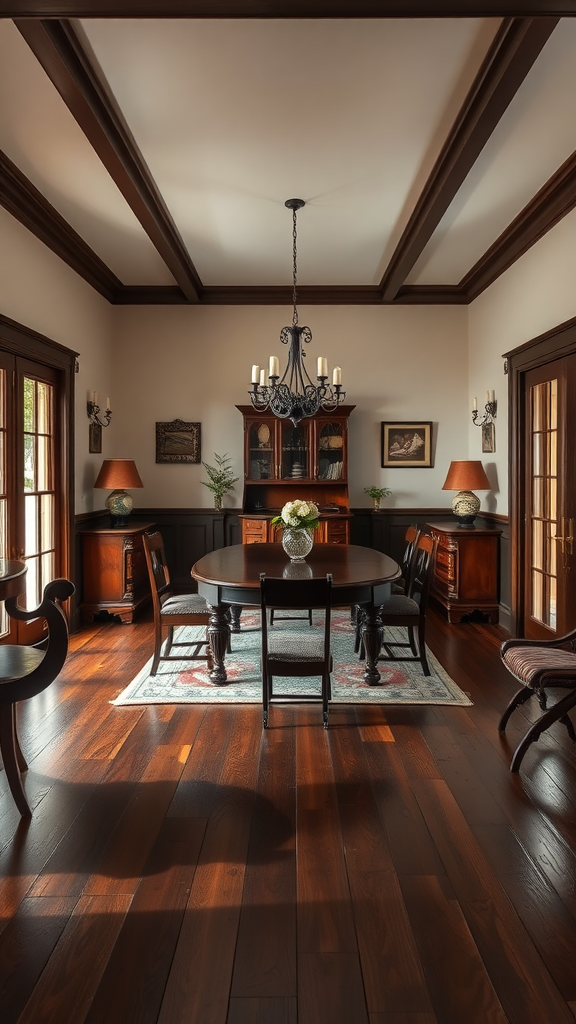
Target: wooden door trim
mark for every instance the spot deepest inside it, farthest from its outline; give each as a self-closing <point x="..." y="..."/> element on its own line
<point x="553" y="344"/>
<point x="21" y="341"/>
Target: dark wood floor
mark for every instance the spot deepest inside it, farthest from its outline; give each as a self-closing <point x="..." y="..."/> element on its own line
<point x="184" y="867"/>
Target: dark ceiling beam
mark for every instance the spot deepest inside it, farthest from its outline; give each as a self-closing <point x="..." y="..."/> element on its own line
<point x="286" y="8"/>
<point x="20" y="197"/>
<point x="515" y="48"/>
<point x="311" y="295"/>
<point x="59" y="51"/>
<point x="554" y="200"/>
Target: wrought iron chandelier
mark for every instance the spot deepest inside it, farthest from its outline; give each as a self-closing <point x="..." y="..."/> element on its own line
<point x="294" y="396"/>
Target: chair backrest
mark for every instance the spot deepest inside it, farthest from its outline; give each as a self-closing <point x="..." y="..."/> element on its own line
<point x="157" y="567"/>
<point x="291" y="594"/>
<point x="422" y="570"/>
<point x="412" y="536"/>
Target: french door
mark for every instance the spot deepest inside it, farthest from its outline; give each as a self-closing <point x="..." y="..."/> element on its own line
<point x="29" y="482"/>
<point x="549" y="499"/>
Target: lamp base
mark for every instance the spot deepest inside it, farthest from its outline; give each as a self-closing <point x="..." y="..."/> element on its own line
<point x="119" y="504"/>
<point x="466" y="522"/>
<point x="466" y="506"/>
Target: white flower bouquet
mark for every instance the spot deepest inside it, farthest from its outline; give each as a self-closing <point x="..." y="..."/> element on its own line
<point x="298" y="515"/>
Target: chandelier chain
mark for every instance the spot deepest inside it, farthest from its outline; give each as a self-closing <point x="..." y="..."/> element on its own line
<point x="294" y="271"/>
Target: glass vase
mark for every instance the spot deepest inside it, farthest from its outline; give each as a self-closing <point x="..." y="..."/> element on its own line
<point x="297" y="543"/>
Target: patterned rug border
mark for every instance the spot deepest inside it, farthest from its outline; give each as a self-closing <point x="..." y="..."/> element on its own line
<point x="194" y="687"/>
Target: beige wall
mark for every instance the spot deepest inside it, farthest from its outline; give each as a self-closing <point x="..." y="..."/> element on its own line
<point x="194" y="364"/>
<point x="534" y="295"/>
<point x="40" y="291"/>
<point x="159" y="363"/>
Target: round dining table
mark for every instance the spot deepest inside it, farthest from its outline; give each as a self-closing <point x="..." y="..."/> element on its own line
<point x="230" y="576"/>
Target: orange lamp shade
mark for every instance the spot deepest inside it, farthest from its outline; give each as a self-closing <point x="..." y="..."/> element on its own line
<point x="118" y="473"/>
<point x="466" y="476"/>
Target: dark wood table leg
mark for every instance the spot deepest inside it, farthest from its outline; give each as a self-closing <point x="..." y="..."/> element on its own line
<point x="372" y="633"/>
<point x="235" y="613"/>
<point x="218" y="633"/>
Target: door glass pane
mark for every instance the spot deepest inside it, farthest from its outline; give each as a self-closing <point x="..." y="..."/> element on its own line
<point x="30" y="525"/>
<point x="43" y="463"/>
<point x="46" y="521"/>
<point x="29" y="404"/>
<point x="29" y="462"/>
<point x="543" y="500"/>
<point x="39" y="496"/>
<point x="43" y="407"/>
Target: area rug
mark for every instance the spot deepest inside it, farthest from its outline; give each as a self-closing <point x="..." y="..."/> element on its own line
<point x="182" y="682"/>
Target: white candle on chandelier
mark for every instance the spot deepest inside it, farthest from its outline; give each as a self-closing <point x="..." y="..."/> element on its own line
<point x="262" y="378"/>
<point x="255" y="378"/>
<point x="337" y="375"/>
<point x="475" y="405"/>
<point x="322" y="366"/>
<point x="492" y="396"/>
<point x="95" y="398"/>
<point x="107" y="405"/>
<point x="274" y="366"/>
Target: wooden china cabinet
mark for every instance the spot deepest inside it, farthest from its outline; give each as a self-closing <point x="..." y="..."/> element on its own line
<point x="283" y="462"/>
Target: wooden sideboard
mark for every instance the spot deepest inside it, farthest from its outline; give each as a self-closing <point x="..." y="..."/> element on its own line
<point x="465" y="570"/>
<point x="115" y="573"/>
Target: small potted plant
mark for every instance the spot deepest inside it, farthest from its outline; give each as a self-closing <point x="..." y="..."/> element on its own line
<point x="221" y="479"/>
<point x="377" y="493"/>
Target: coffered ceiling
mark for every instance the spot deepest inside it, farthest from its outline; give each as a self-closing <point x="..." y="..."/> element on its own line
<point x="152" y="145"/>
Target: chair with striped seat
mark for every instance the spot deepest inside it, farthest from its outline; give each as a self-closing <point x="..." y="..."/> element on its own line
<point x="293" y="652"/>
<point x="539" y="665"/>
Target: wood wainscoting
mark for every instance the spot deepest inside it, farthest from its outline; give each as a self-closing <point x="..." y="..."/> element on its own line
<point x="192" y="532"/>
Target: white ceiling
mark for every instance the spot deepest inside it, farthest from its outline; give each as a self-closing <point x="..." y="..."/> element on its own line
<point x="233" y="117"/>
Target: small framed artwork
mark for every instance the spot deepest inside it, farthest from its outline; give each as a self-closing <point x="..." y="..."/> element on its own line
<point x="94" y="438"/>
<point x="407" y="444"/>
<point x="488" y="437"/>
<point x="178" y="442"/>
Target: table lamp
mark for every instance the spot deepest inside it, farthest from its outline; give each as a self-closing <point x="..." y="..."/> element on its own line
<point x="119" y="474"/>
<point x="462" y="477"/>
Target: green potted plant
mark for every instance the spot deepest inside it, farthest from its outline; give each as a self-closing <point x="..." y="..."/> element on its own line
<point x="377" y="493"/>
<point x="220" y="480"/>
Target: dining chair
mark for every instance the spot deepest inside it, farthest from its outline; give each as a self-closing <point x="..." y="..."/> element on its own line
<point x="400" y="586"/>
<point x="171" y="610"/>
<point x="409" y="610"/>
<point x="293" y="652"/>
<point x="538" y="665"/>
<point x="25" y="672"/>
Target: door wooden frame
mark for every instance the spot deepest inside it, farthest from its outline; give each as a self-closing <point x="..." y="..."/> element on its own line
<point x="20" y="340"/>
<point x="555" y="343"/>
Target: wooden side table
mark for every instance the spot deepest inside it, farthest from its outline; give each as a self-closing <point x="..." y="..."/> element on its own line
<point x="115" y="573"/>
<point x="465" y="571"/>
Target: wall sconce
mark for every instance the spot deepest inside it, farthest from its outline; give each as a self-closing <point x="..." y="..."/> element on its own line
<point x="96" y="424"/>
<point x="487" y="421"/>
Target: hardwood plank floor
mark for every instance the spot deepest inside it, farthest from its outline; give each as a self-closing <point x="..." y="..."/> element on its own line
<point x="183" y="865"/>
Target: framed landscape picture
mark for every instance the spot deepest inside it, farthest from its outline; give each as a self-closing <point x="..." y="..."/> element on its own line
<point x="407" y="444"/>
<point x="178" y="442"/>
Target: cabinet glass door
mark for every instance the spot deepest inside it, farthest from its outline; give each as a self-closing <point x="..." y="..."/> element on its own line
<point x="330" y="452"/>
<point x="261" y="450"/>
<point x="295" y="451"/>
